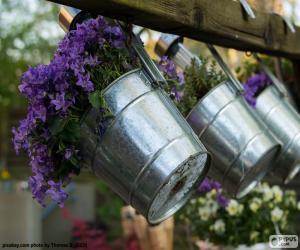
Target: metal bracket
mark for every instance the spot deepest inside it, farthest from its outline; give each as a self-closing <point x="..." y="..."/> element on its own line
<point x="247" y="9"/>
<point x="233" y="80"/>
<point x="289" y="24"/>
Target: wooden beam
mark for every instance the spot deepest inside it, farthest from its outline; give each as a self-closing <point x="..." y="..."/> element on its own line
<point x="220" y="22"/>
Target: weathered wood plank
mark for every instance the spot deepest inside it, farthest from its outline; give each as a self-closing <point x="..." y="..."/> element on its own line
<point x="221" y="22"/>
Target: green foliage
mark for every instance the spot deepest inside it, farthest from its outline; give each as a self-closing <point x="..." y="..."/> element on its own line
<point x="25" y="39"/>
<point x="199" y="79"/>
<point x="110" y="209"/>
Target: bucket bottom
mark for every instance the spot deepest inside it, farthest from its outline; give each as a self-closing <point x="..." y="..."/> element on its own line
<point x="254" y="163"/>
<point x="178" y="189"/>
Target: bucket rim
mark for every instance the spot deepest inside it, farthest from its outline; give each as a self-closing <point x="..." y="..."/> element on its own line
<point x="276" y="148"/>
<point x="267" y="89"/>
<point x="106" y="89"/>
<point x="287" y="179"/>
<point x="180" y="204"/>
<point x="201" y="100"/>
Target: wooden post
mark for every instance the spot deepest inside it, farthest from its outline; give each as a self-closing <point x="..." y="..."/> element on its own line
<point x="127" y="217"/>
<point x="141" y="230"/>
<point x="169" y="231"/>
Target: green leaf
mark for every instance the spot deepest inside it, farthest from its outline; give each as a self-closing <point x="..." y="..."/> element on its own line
<point x="96" y="99"/>
<point x="56" y="125"/>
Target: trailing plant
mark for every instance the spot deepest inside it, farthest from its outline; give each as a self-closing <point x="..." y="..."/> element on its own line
<point x="228" y="222"/>
<point x="194" y="83"/>
<point x="87" y="60"/>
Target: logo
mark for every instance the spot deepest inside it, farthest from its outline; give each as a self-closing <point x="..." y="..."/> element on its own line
<point x="283" y="241"/>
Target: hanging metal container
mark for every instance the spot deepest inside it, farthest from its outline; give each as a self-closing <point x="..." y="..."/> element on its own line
<point x="242" y="149"/>
<point x="148" y="154"/>
<point x="284" y="121"/>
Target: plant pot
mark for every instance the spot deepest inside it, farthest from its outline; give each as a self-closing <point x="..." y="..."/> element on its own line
<point x="284" y="121"/>
<point x="242" y="148"/>
<point x="149" y="155"/>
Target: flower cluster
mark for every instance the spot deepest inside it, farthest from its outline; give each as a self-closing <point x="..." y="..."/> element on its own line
<point x="254" y="86"/>
<point x="175" y="78"/>
<point x="248" y="221"/>
<point x="192" y="84"/>
<point x="59" y="94"/>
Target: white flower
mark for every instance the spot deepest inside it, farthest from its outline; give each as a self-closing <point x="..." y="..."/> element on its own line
<point x="213" y="205"/>
<point x="212" y="194"/>
<point x="277" y="194"/>
<point x="255" y="204"/>
<point x="240" y="208"/>
<point x="268" y="194"/>
<point x="298" y="205"/>
<point x="254" y="235"/>
<point x="193" y="201"/>
<point x="204" y="213"/>
<point x="219" y="227"/>
<point x="234" y="208"/>
<point x="276" y="214"/>
<point x="201" y="201"/>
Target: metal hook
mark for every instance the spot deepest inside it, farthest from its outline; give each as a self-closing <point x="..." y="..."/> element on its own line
<point x="147" y="62"/>
<point x="278" y="85"/>
<point x="289" y="24"/>
<point x="286" y="21"/>
<point x="247" y="9"/>
<point x="236" y="83"/>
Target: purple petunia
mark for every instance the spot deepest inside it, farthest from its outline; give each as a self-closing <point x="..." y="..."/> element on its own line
<point x="254" y="85"/>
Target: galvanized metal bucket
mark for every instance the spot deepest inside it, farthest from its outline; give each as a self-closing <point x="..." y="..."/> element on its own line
<point x="149" y="155"/>
<point x="284" y="121"/>
<point x="242" y="149"/>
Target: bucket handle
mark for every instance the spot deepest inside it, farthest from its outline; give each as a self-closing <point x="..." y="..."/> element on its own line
<point x="146" y="61"/>
<point x="234" y="82"/>
<point x="277" y="83"/>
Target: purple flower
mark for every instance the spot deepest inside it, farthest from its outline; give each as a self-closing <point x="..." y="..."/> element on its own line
<point x="222" y="200"/>
<point x="206" y="186"/>
<point x="51" y="91"/>
<point x="254" y="85"/>
<point x="115" y="36"/>
<point x="60" y="103"/>
<point x="85" y="82"/>
<point x="57" y="193"/>
<point x="169" y="68"/>
<point x="38" y="188"/>
<point x="69" y="152"/>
